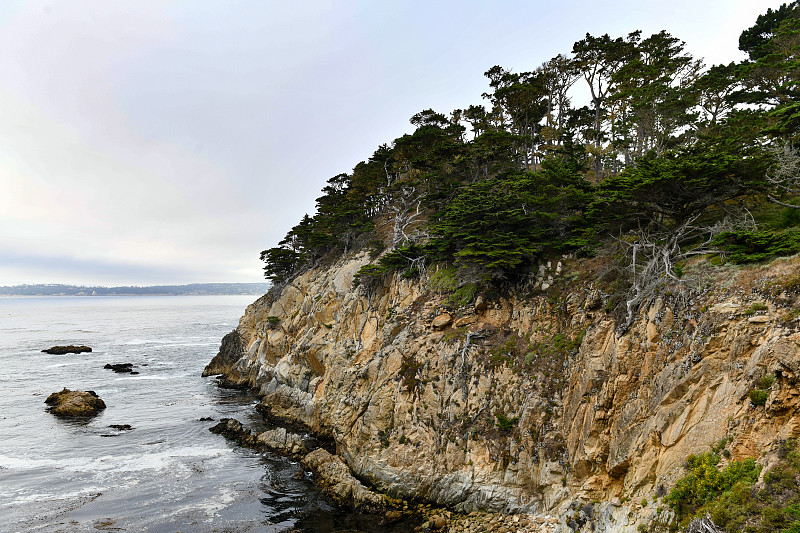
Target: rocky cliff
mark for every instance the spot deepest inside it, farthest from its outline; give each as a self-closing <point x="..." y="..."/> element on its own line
<point x="531" y="401"/>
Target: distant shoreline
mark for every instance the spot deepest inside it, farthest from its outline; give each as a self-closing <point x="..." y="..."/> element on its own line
<point x="193" y="289"/>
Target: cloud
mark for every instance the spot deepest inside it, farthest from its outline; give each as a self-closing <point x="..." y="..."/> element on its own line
<point x="172" y="141"/>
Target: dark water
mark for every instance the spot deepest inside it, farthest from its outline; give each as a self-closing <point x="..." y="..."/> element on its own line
<point x="167" y="474"/>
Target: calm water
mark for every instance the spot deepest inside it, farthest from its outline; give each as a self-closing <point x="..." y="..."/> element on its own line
<point x="167" y="474"/>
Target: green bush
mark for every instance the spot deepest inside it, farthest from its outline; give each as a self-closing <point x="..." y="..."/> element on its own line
<point x="753" y="246"/>
<point x="705" y="483"/>
<point x="758" y="397"/>
<point x="505" y="423"/>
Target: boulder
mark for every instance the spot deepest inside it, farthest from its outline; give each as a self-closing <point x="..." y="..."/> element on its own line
<point x="61" y="350"/>
<point x="74" y="403"/>
<point x="442" y="321"/>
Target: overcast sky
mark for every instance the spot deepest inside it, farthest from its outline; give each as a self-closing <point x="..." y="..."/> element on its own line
<point x="170" y="142"/>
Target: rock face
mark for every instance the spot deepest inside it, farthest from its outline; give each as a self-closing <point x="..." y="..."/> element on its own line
<point x="61" y="350"/>
<point x="74" y="403"/>
<point x="534" y="404"/>
<point x="335" y="477"/>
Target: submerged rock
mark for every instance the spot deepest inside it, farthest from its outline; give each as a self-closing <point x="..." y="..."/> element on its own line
<point x="120" y="367"/>
<point x="61" y="350"/>
<point x="75" y="403"/>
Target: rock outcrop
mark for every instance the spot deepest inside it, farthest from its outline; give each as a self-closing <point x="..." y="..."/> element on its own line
<point x="74" y="403"/>
<point x="277" y="440"/>
<point x="334" y="476"/>
<point x="61" y="350"/>
<point x="526" y="403"/>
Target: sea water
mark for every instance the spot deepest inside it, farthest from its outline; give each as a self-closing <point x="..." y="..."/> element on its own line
<point x="168" y="473"/>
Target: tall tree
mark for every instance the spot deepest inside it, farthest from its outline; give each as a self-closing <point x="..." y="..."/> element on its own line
<point x="599" y="58"/>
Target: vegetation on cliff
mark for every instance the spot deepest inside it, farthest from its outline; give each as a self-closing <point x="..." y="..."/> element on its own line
<point x="670" y="159"/>
<point x="732" y="497"/>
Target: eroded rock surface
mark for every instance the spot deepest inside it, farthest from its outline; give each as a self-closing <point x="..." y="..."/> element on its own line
<point x="531" y="403"/>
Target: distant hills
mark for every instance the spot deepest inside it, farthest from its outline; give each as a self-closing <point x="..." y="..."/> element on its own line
<point x="52" y="289"/>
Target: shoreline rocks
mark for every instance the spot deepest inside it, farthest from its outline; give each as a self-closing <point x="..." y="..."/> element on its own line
<point x="62" y="350"/>
<point x="334" y="477"/>
<point x="74" y="403"/>
<point x="276" y="440"/>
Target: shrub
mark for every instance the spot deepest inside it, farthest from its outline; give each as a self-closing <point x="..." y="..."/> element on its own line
<point x="705" y="482"/>
<point x="758" y="397"/>
<point x="505" y="423"/>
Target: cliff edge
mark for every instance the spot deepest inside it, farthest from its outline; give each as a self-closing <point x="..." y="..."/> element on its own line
<point x="532" y="401"/>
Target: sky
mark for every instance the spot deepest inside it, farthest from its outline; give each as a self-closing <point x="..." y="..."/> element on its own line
<point x="158" y="142"/>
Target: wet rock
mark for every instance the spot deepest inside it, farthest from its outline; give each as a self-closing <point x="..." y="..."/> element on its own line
<point x="392" y="516"/>
<point x="120" y="367"/>
<point x="282" y="441"/>
<point x="438" y="522"/>
<point x="232" y="429"/>
<point x="205" y="419"/>
<point x="336" y="480"/>
<point x="74" y="403"/>
<point x="61" y="350"/>
<point x="121" y="427"/>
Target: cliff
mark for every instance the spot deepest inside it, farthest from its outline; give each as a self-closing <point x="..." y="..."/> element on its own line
<point x="532" y="401"/>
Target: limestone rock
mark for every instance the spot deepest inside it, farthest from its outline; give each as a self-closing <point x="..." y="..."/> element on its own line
<point x="465" y="321"/>
<point x="230" y="352"/>
<point x="74" y="403"/>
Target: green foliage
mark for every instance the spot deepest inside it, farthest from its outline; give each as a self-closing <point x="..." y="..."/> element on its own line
<point x="401" y="258"/>
<point x="759" y="395"/>
<point x="445" y="279"/>
<point x="282" y="263"/>
<point x="505" y="423"/>
<point x="766" y="381"/>
<point x="705" y="483"/>
<point x="740" y="506"/>
<point x="754" y="308"/>
<point x="501" y="226"/>
<point x="753" y="246"/>
<point x="504" y="353"/>
<point x="670" y="189"/>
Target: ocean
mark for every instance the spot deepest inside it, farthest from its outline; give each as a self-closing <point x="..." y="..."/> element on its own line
<point x="168" y="473"/>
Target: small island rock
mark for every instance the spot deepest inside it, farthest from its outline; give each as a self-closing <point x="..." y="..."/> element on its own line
<point x="75" y="403"/>
<point x="120" y="367"/>
<point x="61" y="350"/>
